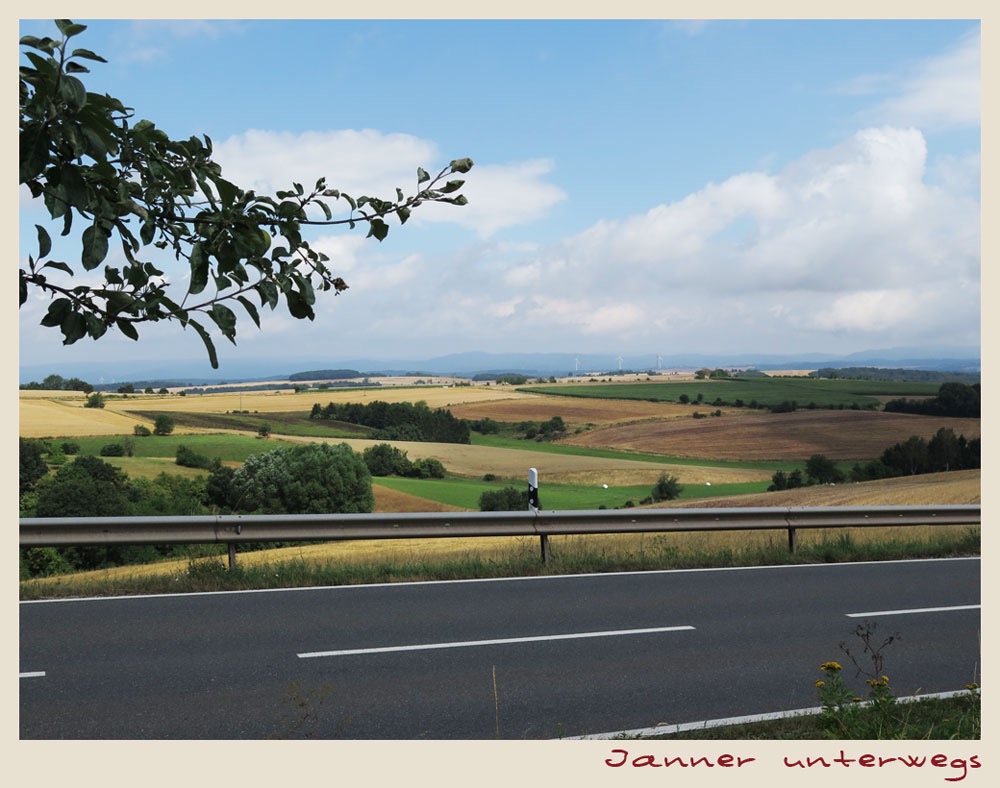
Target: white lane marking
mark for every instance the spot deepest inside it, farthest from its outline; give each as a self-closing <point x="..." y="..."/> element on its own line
<point x="914" y="610"/>
<point x="37" y="674"/>
<point x="495" y="642"/>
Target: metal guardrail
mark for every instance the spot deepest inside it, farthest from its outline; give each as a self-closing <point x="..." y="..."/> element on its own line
<point x="240" y="529"/>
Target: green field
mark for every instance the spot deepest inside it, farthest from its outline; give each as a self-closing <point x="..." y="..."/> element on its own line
<point x="228" y="448"/>
<point x="465" y="492"/>
<point x="765" y="392"/>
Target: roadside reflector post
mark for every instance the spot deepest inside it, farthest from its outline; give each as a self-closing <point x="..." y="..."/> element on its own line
<point x="534" y="505"/>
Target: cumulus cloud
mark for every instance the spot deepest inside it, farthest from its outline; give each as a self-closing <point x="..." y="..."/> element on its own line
<point x="939" y="93"/>
<point x="849" y="238"/>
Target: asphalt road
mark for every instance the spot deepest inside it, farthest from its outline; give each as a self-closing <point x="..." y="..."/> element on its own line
<point x="516" y="659"/>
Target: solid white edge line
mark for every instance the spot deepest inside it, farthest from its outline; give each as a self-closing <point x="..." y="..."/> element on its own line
<point x="913" y="610"/>
<point x="493" y="642"/>
<point x="36" y="674"/>
<point x="665" y="729"/>
<point x="485" y="580"/>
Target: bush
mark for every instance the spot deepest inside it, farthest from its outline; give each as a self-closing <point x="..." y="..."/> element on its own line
<point x="163" y="425"/>
<point x="95" y="400"/>
<point x="508" y="499"/>
<point x="667" y="488"/>
<point x="191" y="459"/>
<point x="141" y="431"/>
<point x="113" y="450"/>
<point x="70" y="447"/>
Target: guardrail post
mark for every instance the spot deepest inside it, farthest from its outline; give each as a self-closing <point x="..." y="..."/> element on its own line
<point x="533" y="506"/>
<point x="232" y="556"/>
<point x="793" y="539"/>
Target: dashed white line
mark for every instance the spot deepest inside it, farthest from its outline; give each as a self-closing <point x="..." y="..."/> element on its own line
<point x="914" y="610"/>
<point x="35" y="674"/>
<point x="495" y="642"/>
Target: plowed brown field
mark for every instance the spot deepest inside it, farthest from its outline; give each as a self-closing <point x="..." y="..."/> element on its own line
<point x="574" y="411"/>
<point x="839" y="435"/>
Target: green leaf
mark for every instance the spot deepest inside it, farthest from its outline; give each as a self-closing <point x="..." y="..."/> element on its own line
<point x="57" y="312"/>
<point x="59" y="265"/>
<point x="213" y="359"/>
<point x="73" y="327"/>
<point x="44" y="241"/>
<point x="69" y="28"/>
<point x="88" y="55"/>
<point x="199" y="270"/>
<point x="225" y="319"/>
<point x="461" y="165"/>
<point x="422" y="175"/>
<point x="251" y="310"/>
<point x="297" y="305"/>
<point x="95" y="247"/>
<point x="378" y="229"/>
<point x="126" y="327"/>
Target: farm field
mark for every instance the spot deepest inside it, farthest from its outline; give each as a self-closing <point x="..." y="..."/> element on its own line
<point x="839" y="435"/>
<point x="824" y="393"/>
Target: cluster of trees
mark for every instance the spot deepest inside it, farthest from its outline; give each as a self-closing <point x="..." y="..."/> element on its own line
<point x="325" y="374"/>
<point x="530" y="430"/>
<point x="945" y="451"/>
<point x="400" y="421"/>
<point x="957" y="400"/>
<point x="383" y="459"/>
<point x="314" y="478"/>
<point x="308" y="479"/>
<point x="879" y="373"/>
<point x="91" y="487"/>
<point x="58" y="383"/>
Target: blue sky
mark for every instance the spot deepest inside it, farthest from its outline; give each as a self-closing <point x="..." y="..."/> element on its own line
<point x="640" y="187"/>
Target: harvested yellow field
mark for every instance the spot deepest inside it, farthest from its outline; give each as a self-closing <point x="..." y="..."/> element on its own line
<point x="284" y="401"/>
<point x="66" y="417"/>
<point x="930" y="489"/>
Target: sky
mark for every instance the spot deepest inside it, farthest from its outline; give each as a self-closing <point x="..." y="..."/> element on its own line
<point x="640" y="186"/>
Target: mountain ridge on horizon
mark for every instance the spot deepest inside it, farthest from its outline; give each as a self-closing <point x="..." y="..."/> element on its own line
<point x="963" y="359"/>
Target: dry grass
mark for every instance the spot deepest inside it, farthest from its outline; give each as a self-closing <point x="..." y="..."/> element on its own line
<point x="839" y="435"/>
<point x="66" y="417"/>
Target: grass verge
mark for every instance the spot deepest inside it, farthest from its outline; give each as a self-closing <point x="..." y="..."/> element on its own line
<point x="516" y="557"/>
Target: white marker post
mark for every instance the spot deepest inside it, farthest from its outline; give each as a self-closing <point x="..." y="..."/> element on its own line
<point x="534" y="505"/>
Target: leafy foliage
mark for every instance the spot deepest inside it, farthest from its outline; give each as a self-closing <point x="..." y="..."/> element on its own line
<point x="667" y="488"/>
<point x="507" y="499"/>
<point x="125" y="184"/>
<point x="32" y="465"/>
<point x="314" y="478"/>
<point x="398" y="420"/>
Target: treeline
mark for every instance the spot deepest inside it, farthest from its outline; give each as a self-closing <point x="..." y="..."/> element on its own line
<point x="957" y="400"/>
<point x="326" y="374"/>
<point x="906" y="375"/>
<point x="398" y="421"/>
<point x="58" y="383"/>
<point x="916" y="455"/>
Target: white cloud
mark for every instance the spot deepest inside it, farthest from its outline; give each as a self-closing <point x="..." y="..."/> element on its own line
<point x="369" y="162"/>
<point x="939" y="93"/>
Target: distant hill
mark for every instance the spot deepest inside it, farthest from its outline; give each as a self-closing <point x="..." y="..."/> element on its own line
<point x="179" y="372"/>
